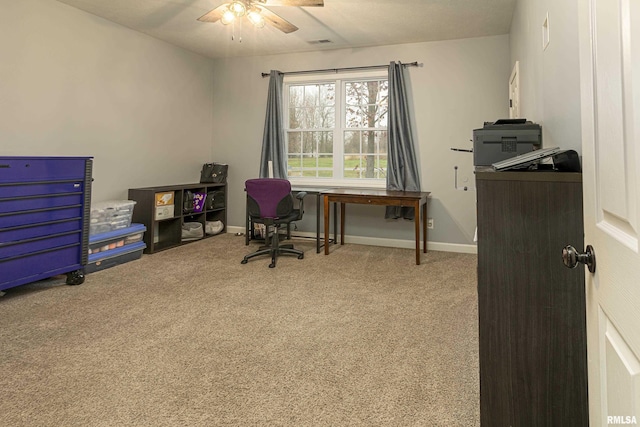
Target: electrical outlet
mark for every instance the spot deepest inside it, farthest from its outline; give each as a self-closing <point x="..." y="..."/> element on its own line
<point x="430" y="223"/>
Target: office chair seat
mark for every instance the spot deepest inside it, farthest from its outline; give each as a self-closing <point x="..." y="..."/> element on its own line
<point x="269" y="202"/>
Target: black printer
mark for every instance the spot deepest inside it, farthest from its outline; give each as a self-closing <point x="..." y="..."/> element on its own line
<point x="503" y="139"/>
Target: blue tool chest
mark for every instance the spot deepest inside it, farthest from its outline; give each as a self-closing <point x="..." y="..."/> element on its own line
<point x="45" y="203"/>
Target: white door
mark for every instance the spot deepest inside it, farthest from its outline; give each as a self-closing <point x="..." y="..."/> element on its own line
<point x="610" y="91"/>
<point x="514" y="92"/>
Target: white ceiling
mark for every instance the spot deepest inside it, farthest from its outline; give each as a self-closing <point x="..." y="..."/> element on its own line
<point x="346" y="23"/>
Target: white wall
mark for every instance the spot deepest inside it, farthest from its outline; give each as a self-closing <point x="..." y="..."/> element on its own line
<point x="549" y="79"/>
<point x="72" y="84"/>
<point x="461" y="84"/>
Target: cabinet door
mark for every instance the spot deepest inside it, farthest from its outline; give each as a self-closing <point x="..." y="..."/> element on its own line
<point x="531" y="308"/>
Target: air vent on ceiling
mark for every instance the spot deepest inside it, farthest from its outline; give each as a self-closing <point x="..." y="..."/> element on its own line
<point x="323" y="41"/>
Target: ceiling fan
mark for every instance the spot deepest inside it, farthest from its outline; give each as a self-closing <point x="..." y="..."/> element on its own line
<point x="257" y="13"/>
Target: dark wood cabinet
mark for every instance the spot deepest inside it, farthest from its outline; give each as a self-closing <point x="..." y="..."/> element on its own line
<point x="163" y="211"/>
<point x="532" y="328"/>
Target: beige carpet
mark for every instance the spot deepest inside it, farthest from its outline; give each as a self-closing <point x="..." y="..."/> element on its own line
<point x="190" y="337"/>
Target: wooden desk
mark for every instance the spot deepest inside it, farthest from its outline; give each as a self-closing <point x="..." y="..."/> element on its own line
<point x="415" y="199"/>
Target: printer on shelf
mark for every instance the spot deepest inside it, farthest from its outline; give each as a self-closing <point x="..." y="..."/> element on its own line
<point x="503" y="139"/>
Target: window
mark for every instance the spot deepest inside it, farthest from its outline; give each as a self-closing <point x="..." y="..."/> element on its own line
<point x="336" y="129"/>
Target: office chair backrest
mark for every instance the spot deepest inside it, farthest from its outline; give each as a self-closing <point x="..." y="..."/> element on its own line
<point x="269" y="197"/>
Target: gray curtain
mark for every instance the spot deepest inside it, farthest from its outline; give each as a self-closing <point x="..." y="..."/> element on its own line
<point x="402" y="167"/>
<point x="273" y="148"/>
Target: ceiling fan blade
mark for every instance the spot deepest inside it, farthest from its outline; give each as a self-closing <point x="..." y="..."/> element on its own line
<point x="214" y="15"/>
<point x="303" y="3"/>
<point x="277" y="21"/>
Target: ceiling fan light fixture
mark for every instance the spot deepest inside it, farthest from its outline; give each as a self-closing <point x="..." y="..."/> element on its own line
<point x="256" y="13"/>
<point x="227" y="17"/>
<point x="256" y="18"/>
<point x="238" y="8"/>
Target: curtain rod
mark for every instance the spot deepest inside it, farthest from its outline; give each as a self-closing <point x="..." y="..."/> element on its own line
<point x="336" y="70"/>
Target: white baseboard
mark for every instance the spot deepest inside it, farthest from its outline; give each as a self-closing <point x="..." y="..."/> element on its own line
<point x="390" y="243"/>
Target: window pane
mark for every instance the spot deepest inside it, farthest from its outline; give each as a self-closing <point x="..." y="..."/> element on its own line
<point x="352" y="142"/>
<point x="295" y="118"/>
<point x="381" y="167"/>
<point x="296" y="96"/>
<point x="382" y="142"/>
<point x="307" y="143"/>
<point x="311" y="95"/>
<point x="325" y="166"/>
<point x="380" y="117"/>
<point x="308" y="117"/>
<point x="368" y="167"/>
<point x="355" y="93"/>
<point x="329" y="118"/>
<point x="294" y="166"/>
<point x="352" y="166"/>
<point x="354" y="117"/>
<point x="294" y="142"/>
<point x="325" y="142"/>
<point x="368" y="142"/>
<point x="328" y="94"/>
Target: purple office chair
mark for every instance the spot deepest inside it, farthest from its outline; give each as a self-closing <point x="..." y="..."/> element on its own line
<point x="269" y="202"/>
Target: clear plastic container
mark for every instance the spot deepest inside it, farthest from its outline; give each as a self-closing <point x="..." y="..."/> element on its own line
<point x="116" y="214"/>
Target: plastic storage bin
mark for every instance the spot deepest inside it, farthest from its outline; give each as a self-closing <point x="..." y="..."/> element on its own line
<point x="116" y="239"/>
<point x="111" y="258"/>
<point x="110" y="215"/>
<point x="115" y="247"/>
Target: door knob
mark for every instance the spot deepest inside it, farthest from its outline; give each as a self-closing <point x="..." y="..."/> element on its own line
<point x="571" y="257"/>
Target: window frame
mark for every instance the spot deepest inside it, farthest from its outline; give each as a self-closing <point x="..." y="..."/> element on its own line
<point x="339" y="126"/>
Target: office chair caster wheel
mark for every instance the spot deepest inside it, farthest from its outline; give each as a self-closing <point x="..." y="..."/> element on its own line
<point x="244" y="261"/>
<point x="301" y="256"/>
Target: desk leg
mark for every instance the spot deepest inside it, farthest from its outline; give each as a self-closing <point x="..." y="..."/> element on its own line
<point x="424" y="226"/>
<point x="318" y="223"/>
<point x="246" y="226"/>
<point x="342" y="211"/>
<point x="335" y="223"/>
<point x="416" y="220"/>
<point x="326" y="225"/>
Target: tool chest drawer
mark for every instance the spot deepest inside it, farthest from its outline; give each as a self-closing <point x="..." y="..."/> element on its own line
<point x="45" y="204"/>
<point x="32" y="203"/>
<point x="28" y="189"/>
<point x="45" y="169"/>
<point x="37" y="266"/>
<point x="40" y="216"/>
<point x="13" y="234"/>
